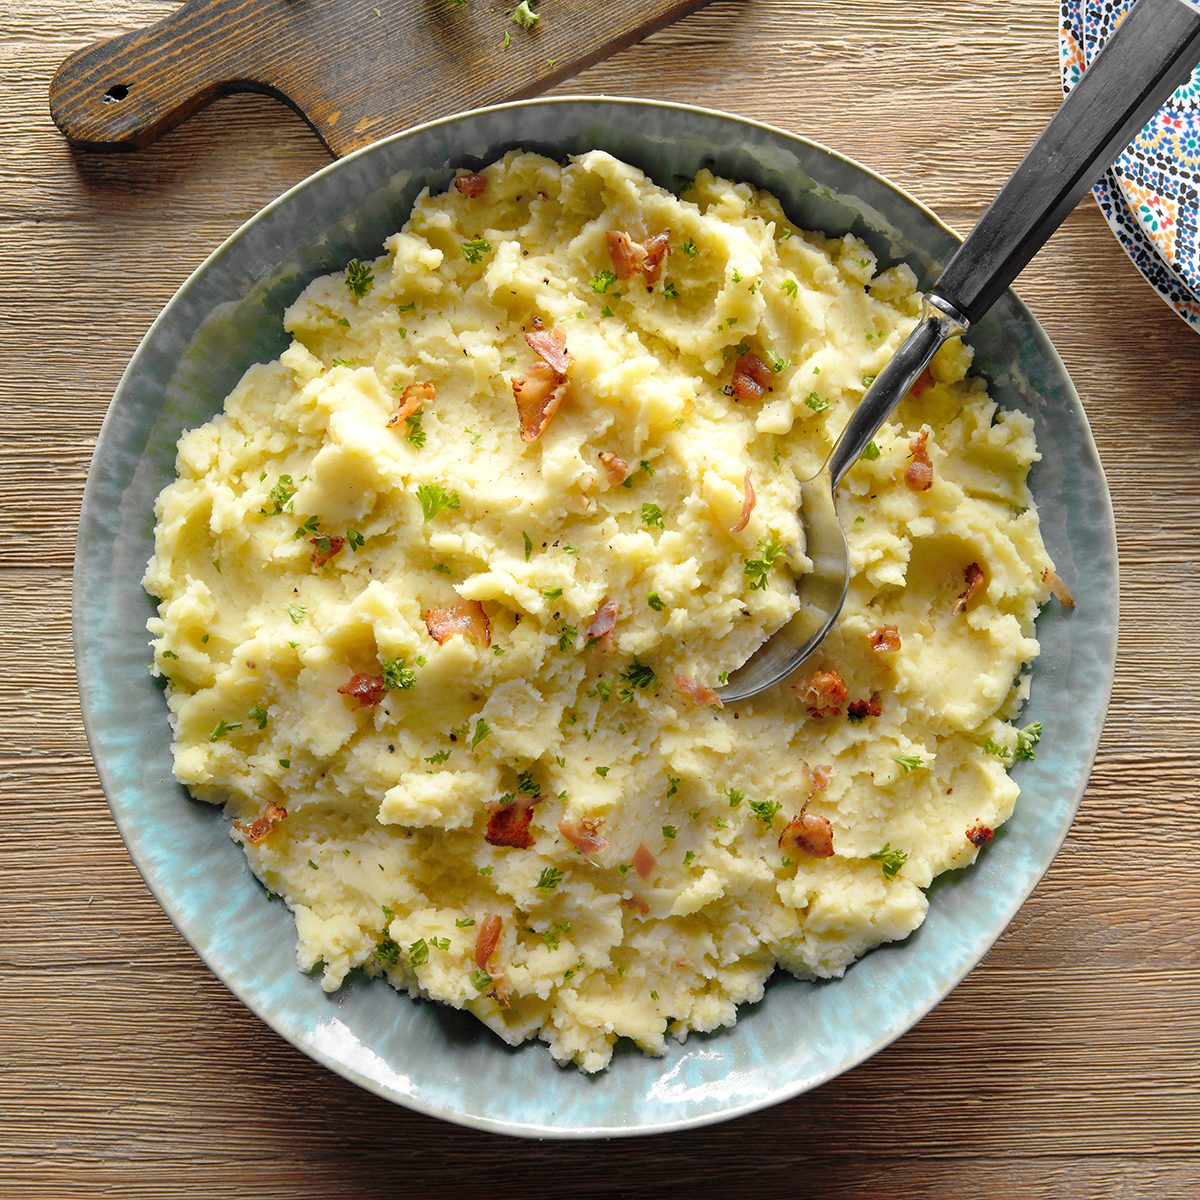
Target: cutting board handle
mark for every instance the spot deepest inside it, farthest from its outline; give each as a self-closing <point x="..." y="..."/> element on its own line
<point x="123" y="93"/>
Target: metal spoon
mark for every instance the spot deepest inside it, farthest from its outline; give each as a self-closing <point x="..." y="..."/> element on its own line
<point x="1146" y="58"/>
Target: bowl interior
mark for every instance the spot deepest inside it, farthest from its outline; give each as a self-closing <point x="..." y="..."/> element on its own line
<point x="228" y="315"/>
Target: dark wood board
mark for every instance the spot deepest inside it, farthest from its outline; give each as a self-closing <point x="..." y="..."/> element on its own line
<point x="356" y="70"/>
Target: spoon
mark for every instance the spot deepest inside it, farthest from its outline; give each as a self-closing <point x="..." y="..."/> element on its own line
<point x="1145" y="59"/>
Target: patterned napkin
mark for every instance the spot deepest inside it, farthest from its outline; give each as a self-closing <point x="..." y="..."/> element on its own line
<point x="1151" y="194"/>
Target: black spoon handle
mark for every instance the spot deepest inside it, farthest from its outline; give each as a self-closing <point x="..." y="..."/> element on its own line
<point x="1142" y="63"/>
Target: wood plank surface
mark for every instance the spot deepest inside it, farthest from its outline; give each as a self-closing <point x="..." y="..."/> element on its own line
<point x="1066" y="1066"/>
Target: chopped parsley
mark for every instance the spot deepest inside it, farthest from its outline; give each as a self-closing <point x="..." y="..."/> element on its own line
<point x="765" y="810"/>
<point x="297" y="612"/>
<point x="416" y="434"/>
<point x="285" y="763"/>
<point x="359" y="278"/>
<point x="482" y="729"/>
<point x="441" y="568"/>
<point x="397" y="675"/>
<point x="1027" y="738"/>
<point x="566" y="638"/>
<point x="652" y="516"/>
<point x="735" y="796"/>
<point x="472" y="436"/>
<point x="670" y="290"/>
<point x="890" y="860"/>
<point x="442" y="943"/>
<point x="778" y="365"/>
<point x="672" y="785"/>
<point x="307" y="526"/>
<point x="281" y="496"/>
<point x="689" y="858"/>
<point x="602" y="281"/>
<point x="817" y="403"/>
<point x="757" y="569"/>
<point x="169" y="654"/>
<point x="388" y="951"/>
<point x="528" y="545"/>
<point x="870" y="452"/>
<point x="526" y="784"/>
<point x="636" y="676"/>
<point x="464" y="922"/>
<point x="552" y="593"/>
<point x="549" y="879"/>
<point x="475" y="249"/>
<point x="690" y="248"/>
<point x="603" y="689"/>
<point x="259" y="714"/>
<point x="418" y="953"/>
<point x="551" y="935"/>
<point x="655" y="601"/>
<point x="867" y="380"/>
<point x="603" y="772"/>
<point x="222" y="728"/>
<point x="993" y="747"/>
<point x="434" y="498"/>
<point x="439" y="757"/>
<point x="790" y="286"/>
<point x="606" y="311"/>
<point x="669" y="832"/>
<point x="355" y="539"/>
<point x="343" y="362"/>
<point x="480" y="979"/>
<point x="908" y="762"/>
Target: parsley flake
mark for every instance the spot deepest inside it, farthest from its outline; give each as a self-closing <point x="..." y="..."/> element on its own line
<point x="908" y="762"/>
<point x="566" y="638"/>
<point x="524" y="16"/>
<point x="281" y="495"/>
<point x="552" y="593"/>
<point x="757" y="569"/>
<point x="636" y="676"/>
<point x="689" y="858"/>
<point x="690" y="248"/>
<point x="870" y="452"/>
<point x="475" y="249"/>
<point x="817" y="403"/>
<point x="222" y="728"/>
<point x="359" y="278"/>
<point x="669" y="832"/>
<point x="416" y="434"/>
<point x="790" y="286"/>
<point x="765" y="810"/>
<point x="603" y="772"/>
<point x="259" y="714"/>
<point x="655" y="601"/>
<point x="482" y="729"/>
<point x="388" y="951"/>
<point x="652" y="516"/>
<point x="528" y="545"/>
<point x="670" y="291"/>
<point x="549" y="879"/>
<point x="464" y="922"/>
<point x="434" y="498"/>
<point x="480" y="979"/>
<point x="1027" y="738"/>
<point x="355" y="539"/>
<point x="297" y="612"/>
<point x="890" y="860"/>
<point x="602" y="281"/>
<point x="439" y="757"/>
<point x="418" y="953"/>
<point x="397" y="675"/>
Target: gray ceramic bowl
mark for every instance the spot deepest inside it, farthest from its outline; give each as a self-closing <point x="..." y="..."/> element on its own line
<point x="227" y="315"/>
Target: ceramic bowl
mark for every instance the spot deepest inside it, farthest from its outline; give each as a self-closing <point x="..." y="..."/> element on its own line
<point x="432" y="1059"/>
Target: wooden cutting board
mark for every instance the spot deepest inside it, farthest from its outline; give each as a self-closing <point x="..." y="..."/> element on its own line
<point x="356" y="70"/>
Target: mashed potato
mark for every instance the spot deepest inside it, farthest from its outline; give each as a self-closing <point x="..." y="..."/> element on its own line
<point x="544" y="827"/>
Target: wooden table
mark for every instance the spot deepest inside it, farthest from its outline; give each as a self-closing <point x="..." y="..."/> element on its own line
<point x="1067" y="1065"/>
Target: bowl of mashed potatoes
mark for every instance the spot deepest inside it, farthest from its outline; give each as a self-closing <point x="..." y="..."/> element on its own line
<point x="465" y="473"/>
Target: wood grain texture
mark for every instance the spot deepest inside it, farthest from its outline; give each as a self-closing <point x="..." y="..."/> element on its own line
<point x="355" y="71"/>
<point x="1065" y="1067"/>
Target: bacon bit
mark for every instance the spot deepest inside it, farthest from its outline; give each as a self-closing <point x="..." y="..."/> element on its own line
<point x="508" y="825"/>
<point x="976" y="581"/>
<point x="604" y="622"/>
<point x="656" y="250"/>
<point x="626" y="254"/>
<point x="808" y="834"/>
<point x="262" y="827"/>
<point x="411" y="399"/>
<point x="471" y="185"/>
<point x="324" y="548"/>
<point x="643" y="861"/>
<point x="979" y="834"/>
<point x="860" y="709"/>
<point x="885" y="639"/>
<point x="636" y="903"/>
<point x="749" y="499"/>
<point x="583" y="835"/>
<point x="487" y="939"/>
<point x="919" y="475"/>
<point x="466" y="618"/>
<point x="750" y="378"/>
<point x="1061" y="592"/>
<point x="538" y="394"/>
<point x="824" y="694"/>
<point x="923" y="383"/>
<point x="551" y="344"/>
<point x="615" y="467"/>
<point x="698" y="692"/>
<point x="368" y="690"/>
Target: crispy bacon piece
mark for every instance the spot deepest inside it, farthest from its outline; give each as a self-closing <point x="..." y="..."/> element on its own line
<point x="824" y="694"/>
<point x="411" y="400"/>
<point x="808" y="834"/>
<point x="1061" y="592"/>
<point x="583" y="835"/>
<point x="750" y="378"/>
<point x="615" y="467"/>
<point x="263" y="826"/>
<point x="487" y="939"/>
<point x="857" y="710"/>
<point x="749" y="499"/>
<point x="979" y="834"/>
<point x="976" y="581"/>
<point x="604" y="622"/>
<point x="550" y="344"/>
<point x="922" y="383"/>
<point x="324" y="548"/>
<point x="919" y="475"/>
<point x="643" y="861"/>
<point x="656" y="250"/>
<point x="466" y="618"/>
<point x="698" y="692"/>
<point x="885" y="639"/>
<point x="636" y="903"/>
<point x="508" y="824"/>
<point x="471" y="185"/>
<point x="366" y="689"/>
<point x="538" y="394"/>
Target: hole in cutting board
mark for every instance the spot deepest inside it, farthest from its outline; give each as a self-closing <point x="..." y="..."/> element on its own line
<point x="116" y="93"/>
